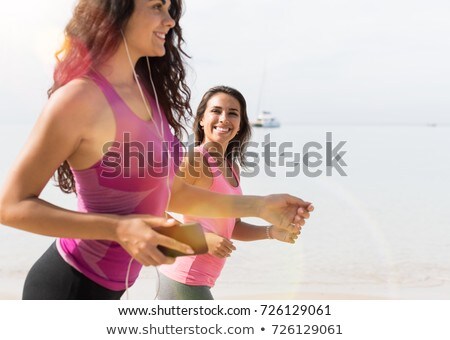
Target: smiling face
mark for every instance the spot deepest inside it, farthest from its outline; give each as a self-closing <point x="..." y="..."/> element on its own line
<point x="221" y="119"/>
<point x="148" y="26"/>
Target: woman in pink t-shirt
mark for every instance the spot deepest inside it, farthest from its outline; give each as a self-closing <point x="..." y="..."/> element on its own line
<point x="222" y="129"/>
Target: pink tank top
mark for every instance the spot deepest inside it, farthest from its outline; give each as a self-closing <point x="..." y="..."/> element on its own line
<point x="131" y="178"/>
<point x="203" y="270"/>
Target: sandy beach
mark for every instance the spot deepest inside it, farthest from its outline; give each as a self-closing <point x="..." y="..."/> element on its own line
<point x="145" y="289"/>
<point x="11" y="289"/>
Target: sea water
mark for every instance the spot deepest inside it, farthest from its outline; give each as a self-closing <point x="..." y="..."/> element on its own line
<point x="380" y="228"/>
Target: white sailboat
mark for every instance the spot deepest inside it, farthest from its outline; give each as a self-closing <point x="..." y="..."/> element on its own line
<point x="266" y="120"/>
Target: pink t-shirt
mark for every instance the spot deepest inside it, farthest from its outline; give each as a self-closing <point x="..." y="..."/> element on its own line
<point x="203" y="270"/>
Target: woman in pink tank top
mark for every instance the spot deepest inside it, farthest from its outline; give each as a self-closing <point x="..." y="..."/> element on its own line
<point x="223" y="130"/>
<point x="110" y="132"/>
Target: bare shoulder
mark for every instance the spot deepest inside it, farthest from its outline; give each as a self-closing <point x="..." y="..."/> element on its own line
<point x="75" y="104"/>
<point x="194" y="169"/>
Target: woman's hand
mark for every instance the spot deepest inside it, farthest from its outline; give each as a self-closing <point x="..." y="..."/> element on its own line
<point x="285" y="211"/>
<point x="284" y="235"/>
<point x="219" y="246"/>
<point x="136" y="235"/>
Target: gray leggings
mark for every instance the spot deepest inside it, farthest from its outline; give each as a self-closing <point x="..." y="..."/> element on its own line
<point x="51" y="278"/>
<point x="172" y="290"/>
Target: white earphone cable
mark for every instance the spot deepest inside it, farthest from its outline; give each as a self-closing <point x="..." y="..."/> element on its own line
<point x="161" y="134"/>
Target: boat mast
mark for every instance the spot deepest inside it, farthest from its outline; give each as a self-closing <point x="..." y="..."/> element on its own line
<point x="261" y="88"/>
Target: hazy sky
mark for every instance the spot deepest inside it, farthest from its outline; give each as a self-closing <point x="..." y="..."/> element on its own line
<point x="325" y="61"/>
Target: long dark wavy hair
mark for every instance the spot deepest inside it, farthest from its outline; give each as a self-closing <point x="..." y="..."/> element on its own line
<point x="236" y="147"/>
<point x="93" y="35"/>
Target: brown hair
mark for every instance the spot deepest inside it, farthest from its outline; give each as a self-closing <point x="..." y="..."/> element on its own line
<point x="236" y="147"/>
<point x="93" y="35"/>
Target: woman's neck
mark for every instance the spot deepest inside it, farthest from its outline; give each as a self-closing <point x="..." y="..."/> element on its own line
<point x="118" y="69"/>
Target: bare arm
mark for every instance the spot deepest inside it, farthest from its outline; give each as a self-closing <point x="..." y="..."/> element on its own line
<point x="56" y="136"/>
<point x="59" y="133"/>
<point x="284" y="211"/>
<point x="194" y="201"/>
<point x="249" y="232"/>
<point x="191" y="195"/>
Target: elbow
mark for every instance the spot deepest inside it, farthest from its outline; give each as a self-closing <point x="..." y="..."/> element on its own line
<point x="4" y="211"/>
<point x="11" y="210"/>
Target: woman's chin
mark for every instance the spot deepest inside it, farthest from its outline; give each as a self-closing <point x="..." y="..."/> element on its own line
<point x="159" y="52"/>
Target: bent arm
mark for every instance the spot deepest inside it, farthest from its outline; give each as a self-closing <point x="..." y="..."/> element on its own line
<point x="55" y="137"/>
<point x="282" y="210"/>
<point x="191" y="195"/>
<point x="63" y="132"/>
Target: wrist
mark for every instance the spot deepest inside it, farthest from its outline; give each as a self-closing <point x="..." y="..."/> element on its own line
<point x="119" y="228"/>
<point x="259" y="206"/>
<point x="207" y="237"/>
